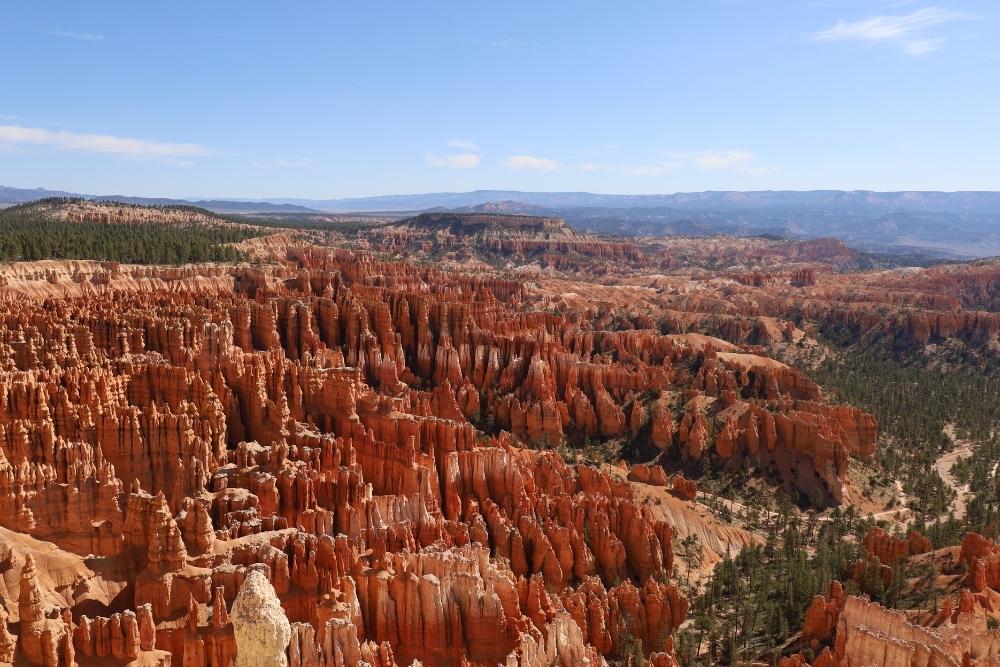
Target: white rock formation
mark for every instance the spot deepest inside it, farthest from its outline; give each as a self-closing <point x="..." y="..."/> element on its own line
<point x="260" y="625"/>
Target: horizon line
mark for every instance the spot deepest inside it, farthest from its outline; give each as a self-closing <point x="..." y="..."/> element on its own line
<point x="289" y="198"/>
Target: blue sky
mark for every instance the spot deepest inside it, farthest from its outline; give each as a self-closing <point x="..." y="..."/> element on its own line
<point x="329" y="99"/>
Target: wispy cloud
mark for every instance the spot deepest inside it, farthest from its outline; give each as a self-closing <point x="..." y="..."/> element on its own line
<point x="907" y="32"/>
<point x="82" y="36"/>
<point x="919" y="47"/>
<point x="17" y="135"/>
<point x="463" y="144"/>
<point x="725" y="161"/>
<point x="282" y="163"/>
<point x="455" y="161"/>
<point x="741" y="161"/>
<point x="467" y="159"/>
<point x="531" y="162"/>
<point x="652" y="169"/>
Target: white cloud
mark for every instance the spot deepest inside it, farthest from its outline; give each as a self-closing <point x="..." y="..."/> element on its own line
<point x="722" y="161"/>
<point x="463" y="144"/>
<point x="16" y="135"/>
<point x="531" y="162"/>
<point x="456" y="161"/>
<point x="905" y="31"/>
<point x="589" y="166"/>
<point x="83" y="36"/>
<point x="467" y="159"/>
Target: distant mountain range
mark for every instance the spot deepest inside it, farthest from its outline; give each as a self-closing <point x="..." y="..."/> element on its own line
<point x="23" y="195"/>
<point x="950" y="224"/>
<point x="967" y="202"/>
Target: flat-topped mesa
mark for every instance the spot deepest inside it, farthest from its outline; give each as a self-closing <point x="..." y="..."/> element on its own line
<point x="829" y="250"/>
<point x="538" y="242"/>
<point x="461" y="224"/>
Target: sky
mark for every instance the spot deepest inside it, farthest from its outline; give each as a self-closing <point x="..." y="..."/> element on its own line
<point x="333" y="99"/>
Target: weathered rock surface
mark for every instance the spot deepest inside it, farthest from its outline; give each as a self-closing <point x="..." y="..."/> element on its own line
<point x="262" y="631"/>
<point x="334" y="446"/>
<point x="868" y="634"/>
<point x="847" y="630"/>
<point x="890" y="549"/>
<point x="982" y="557"/>
<point x="307" y="426"/>
<point x="351" y="433"/>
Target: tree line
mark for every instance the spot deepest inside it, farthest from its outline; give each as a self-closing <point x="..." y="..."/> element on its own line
<point x="28" y="235"/>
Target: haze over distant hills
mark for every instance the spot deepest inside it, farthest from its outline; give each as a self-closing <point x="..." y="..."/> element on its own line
<point x="960" y="224"/>
<point x="23" y="195"/>
<point x="981" y="202"/>
<point x="951" y="224"/>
